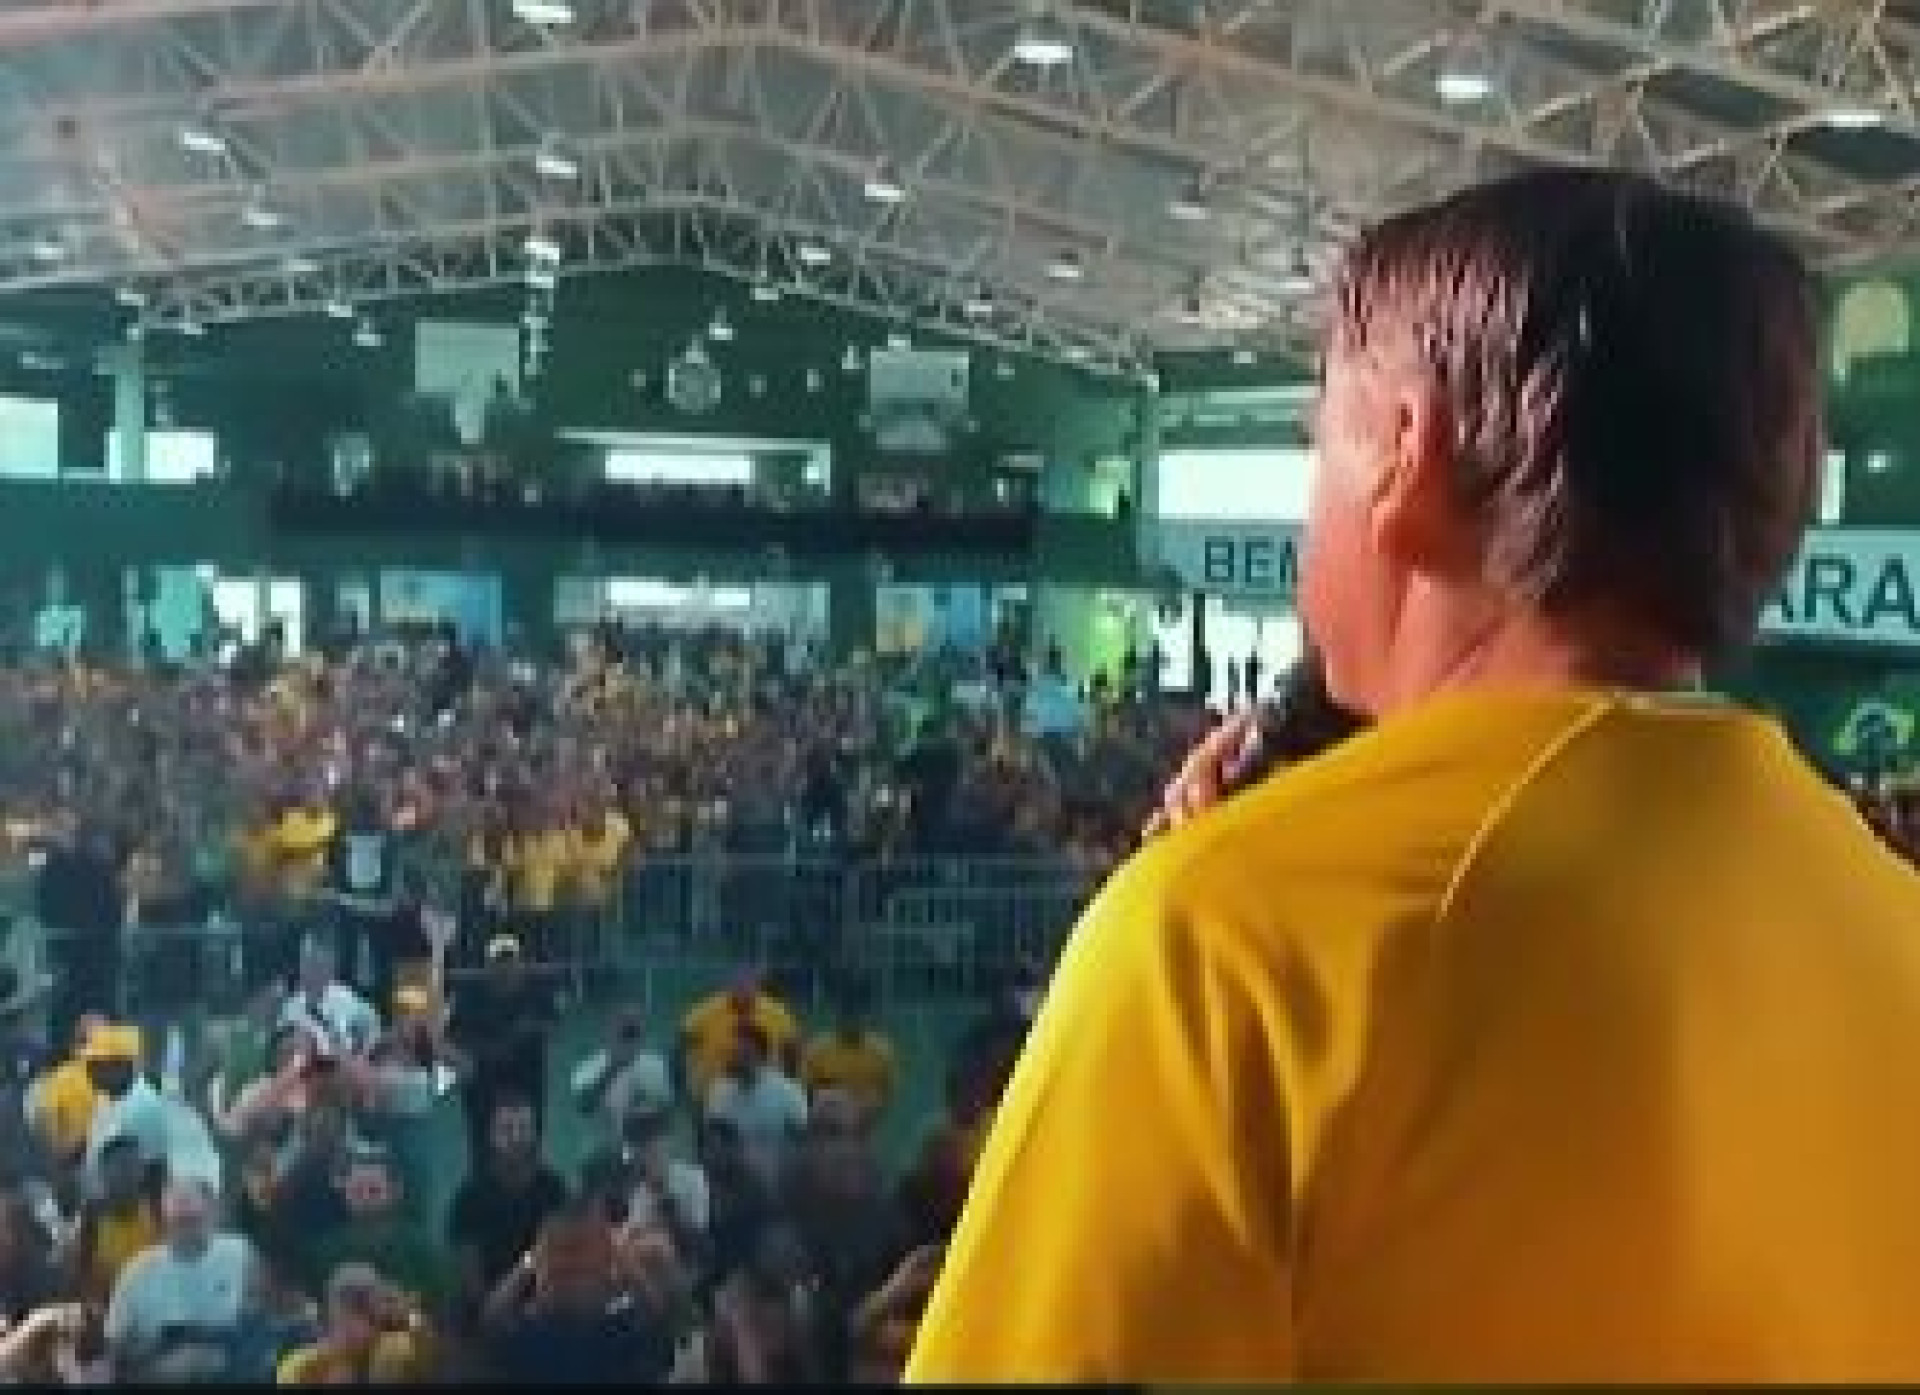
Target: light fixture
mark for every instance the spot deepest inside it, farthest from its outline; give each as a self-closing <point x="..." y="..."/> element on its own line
<point x="813" y="253"/>
<point x="547" y="14"/>
<point x="1297" y="279"/>
<point x="540" y="248"/>
<point x="1066" y="266"/>
<point x="720" y="329"/>
<point x="1043" y="44"/>
<point x="977" y="306"/>
<point x="1852" y="116"/>
<point x="48" y="249"/>
<point x="366" y="335"/>
<point x="131" y="296"/>
<point x="1243" y="357"/>
<point x="338" y="309"/>
<point x="201" y="141"/>
<point x="899" y="340"/>
<point x="1077" y="353"/>
<point x="765" y="291"/>
<point x="852" y="360"/>
<point x="552" y="163"/>
<point x="299" y="266"/>
<point x="541" y="276"/>
<point x="193" y="329"/>
<point x="1189" y="204"/>
<point x="260" y="216"/>
<point x="882" y="187"/>
<point x="1459" y="84"/>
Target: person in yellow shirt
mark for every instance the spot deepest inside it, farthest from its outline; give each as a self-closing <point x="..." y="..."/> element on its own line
<point x="709" y="1036"/>
<point x="61" y="1103"/>
<point x="1562" y="1026"/>
<point x="597" y="851"/>
<point x="374" y="1336"/>
<point x="298" y="838"/>
<point x="855" y="1058"/>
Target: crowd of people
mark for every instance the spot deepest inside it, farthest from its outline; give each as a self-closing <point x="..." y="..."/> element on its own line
<point x="264" y="1196"/>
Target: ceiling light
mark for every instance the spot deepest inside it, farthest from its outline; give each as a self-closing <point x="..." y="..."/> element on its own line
<point x="765" y="292"/>
<point x="850" y="361"/>
<point x="1066" y="266"/>
<point x="542" y="277"/>
<point x="193" y="329"/>
<point x="545" y="13"/>
<point x="1078" y="353"/>
<point x="298" y="266"/>
<point x="366" y="335"/>
<point x="131" y="296"/>
<point x="721" y="328"/>
<point x="977" y="306"/>
<point x="1853" y="116"/>
<point x="338" y="309"/>
<point x="202" y="141"/>
<point x="541" y="248"/>
<point x="813" y="253"/>
<point x="882" y="187"/>
<point x="1043" y="44"/>
<point x="1190" y="204"/>
<point x="899" y="340"/>
<point x="261" y="217"/>
<point x="1244" y="357"/>
<point x="47" y="249"/>
<point x="1463" y="85"/>
<point x="549" y="163"/>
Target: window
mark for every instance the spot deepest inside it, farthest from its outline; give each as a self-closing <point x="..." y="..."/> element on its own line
<point x="1272" y="484"/>
<point x="29" y="437"/>
<point x="173" y="457"/>
<point x="644" y="593"/>
<point x="679" y="467"/>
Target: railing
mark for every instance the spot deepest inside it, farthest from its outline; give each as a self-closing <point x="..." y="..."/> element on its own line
<point x="915" y="932"/>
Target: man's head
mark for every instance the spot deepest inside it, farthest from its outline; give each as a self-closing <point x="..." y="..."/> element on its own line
<point x="512" y="1131"/>
<point x="355" y="1295"/>
<point x="112" y="1055"/>
<point x="574" y="1260"/>
<point x="505" y="960"/>
<point x="369" y="1185"/>
<point x="187" y="1215"/>
<point x="749" y="1052"/>
<point x="1569" y="429"/>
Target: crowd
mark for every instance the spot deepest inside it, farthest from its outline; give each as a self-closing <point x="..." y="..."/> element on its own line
<point x="263" y="1196"/>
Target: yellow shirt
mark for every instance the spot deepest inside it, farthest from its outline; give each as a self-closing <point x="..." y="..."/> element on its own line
<point x="535" y="864"/>
<point x="116" y="1240"/>
<point x="396" y="1357"/>
<point x="863" y="1068"/>
<point x="299" y="842"/>
<point x="596" y="860"/>
<point x="710" y="1031"/>
<point x="61" y="1104"/>
<point x="1530" y="1037"/>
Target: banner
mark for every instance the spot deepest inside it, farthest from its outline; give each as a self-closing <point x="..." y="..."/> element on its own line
<point x="1855" y="584"/>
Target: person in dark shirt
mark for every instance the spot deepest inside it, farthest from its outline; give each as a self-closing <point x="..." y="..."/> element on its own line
<point x="557" y="1318"/>
<point x="507" y="1196"/>
<point x="500" y="1027"/>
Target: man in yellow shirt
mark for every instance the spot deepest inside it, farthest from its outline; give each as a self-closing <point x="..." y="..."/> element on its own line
<point x="1563" y="1027"/>
<point x="854" y="1059"/>
<point x="710" y="1034"/>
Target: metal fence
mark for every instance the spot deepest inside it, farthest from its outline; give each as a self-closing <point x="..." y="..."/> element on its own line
<point x="913" y="932"/>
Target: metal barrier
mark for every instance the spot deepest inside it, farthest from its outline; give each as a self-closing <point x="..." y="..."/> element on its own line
<point x="914" y="931"/>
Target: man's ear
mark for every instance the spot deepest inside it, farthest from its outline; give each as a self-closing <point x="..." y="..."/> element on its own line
<point x="1415" y="512"/>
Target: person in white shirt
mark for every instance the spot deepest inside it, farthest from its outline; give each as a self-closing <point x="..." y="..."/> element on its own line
<point x="766" y="1107"/>
<point x="339" y="1020"/>
<point x="668" y="1191"/>
<point x="130" y="1106"/>
<point x="622" y="1078"/>
<point x="176" y="1306"/>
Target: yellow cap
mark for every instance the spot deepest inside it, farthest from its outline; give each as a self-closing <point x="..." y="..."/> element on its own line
<point x="112" y="1042"/>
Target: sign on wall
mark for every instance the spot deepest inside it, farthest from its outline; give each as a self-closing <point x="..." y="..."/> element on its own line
<point x="1856" y="584"/>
